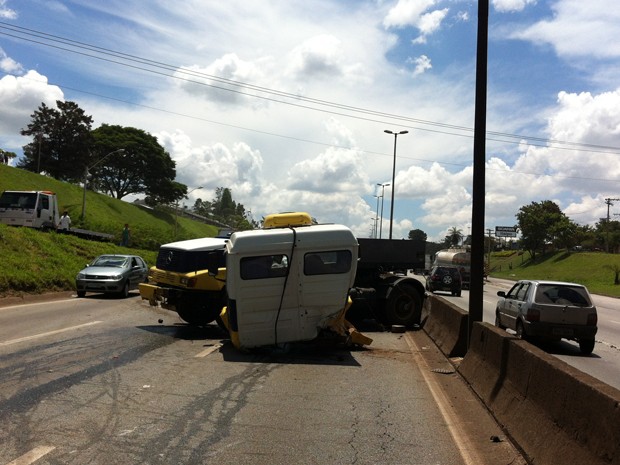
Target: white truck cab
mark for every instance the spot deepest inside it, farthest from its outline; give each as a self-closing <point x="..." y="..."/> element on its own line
<point x="35" y="209"/>
<point x="286" y="284"/>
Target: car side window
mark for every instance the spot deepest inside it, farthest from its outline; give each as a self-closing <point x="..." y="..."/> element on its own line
<point x="522" y="292"/>
<point x="512" y="293"/>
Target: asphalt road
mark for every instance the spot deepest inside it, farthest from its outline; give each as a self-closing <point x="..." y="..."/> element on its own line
<point x="603" y="363"/>
<point x="101" y="381"/>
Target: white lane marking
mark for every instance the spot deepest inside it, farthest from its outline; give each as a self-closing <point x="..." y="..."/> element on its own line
<point x="32" y="456"/>
<point x="614" y="321"/>
<point x="208" y="351"/>
<point x="469" y="455"/>
<point x="34" y="304"/>
<point x="49" y="333"/>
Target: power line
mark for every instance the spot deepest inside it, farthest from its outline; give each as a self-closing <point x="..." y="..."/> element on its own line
<point x="242" y="88"/>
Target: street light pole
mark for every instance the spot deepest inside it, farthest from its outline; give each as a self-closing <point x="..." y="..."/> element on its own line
<point x="396" y="134"/>
<point x="176" y="210"/>
<point x="377" y="217"/>
<point x="383" y="186"/>
<point x="86" y="174"/>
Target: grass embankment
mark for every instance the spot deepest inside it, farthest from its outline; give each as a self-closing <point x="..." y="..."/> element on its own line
<point x="32" y="261"/>
<point x="591" y="269"/>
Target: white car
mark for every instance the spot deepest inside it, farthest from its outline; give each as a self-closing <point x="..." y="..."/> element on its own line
<point x="549" y="309"/>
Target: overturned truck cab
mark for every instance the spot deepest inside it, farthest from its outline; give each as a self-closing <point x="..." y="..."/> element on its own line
<point x="289" y="284"/>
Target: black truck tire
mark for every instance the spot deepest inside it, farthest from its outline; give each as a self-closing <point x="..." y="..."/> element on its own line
<point x="197" y="313"/>
<point x="404" y="306"/>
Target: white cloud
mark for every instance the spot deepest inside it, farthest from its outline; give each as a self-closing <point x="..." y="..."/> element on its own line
<point x="406" y="13"/>
<point x="21" y="96"/>
<point x="6" y="12"/>
<point x="414" y="13"/>
<point x="421" y="64"/>
<point x="579" y="29"/>
<point x="504" y="6"/>
<point x="9" y="65"/>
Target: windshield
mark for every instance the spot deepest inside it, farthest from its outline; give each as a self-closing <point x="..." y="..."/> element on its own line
<point x="109" y="260"/>
<point x="26" y="200"/>
<point x="562" y="295"/>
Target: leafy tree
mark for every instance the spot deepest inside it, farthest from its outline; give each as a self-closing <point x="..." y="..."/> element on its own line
<point x="418" y="235"/>
<point x="455" y="236"/>
<point x="167" y="192"/>
<point x="541" y="223"/>
<point x="225" y="210"/>
<point x="61" y="141"/>
<point x="142" y="167"/>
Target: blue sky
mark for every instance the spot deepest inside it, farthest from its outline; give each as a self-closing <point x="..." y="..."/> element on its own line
<point x="311" y="87"/>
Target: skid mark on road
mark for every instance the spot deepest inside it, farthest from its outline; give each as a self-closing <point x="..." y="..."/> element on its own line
<point x="49" y="333"/>
<point x="32" y="456"/>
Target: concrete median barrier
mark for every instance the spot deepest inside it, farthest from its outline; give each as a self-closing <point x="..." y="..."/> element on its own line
<point x="446" y="324"/>
<point x="554" y="412"/>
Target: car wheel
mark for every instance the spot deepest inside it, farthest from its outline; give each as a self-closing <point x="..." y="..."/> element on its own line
<point x="81" y="293"/>
<point x="447" y="280"/>
<point x="586" y="346"/>
<point x="125" y="292"/>
<point x="458" y="293"/>
<point x="521" y="331"/>
<point x="498" y="322"/>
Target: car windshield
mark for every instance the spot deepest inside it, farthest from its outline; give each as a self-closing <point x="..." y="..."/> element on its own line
<point x="560" y="294"/>
<point x="119" y="262"/>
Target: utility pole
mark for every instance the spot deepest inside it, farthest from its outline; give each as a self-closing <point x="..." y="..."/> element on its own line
<point x="609" y="203"/>
<point x="489" y="232"/>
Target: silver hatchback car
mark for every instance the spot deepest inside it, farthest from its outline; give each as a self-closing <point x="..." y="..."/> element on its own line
<point x="549" y="309"/>
<point x="116" y="274"/>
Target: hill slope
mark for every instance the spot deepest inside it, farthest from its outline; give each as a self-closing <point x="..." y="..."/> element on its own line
<point x="149" y="228"/>
<point x="34" y="261"/>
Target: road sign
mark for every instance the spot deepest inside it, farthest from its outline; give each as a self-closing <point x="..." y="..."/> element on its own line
<point x="505" y="231"/>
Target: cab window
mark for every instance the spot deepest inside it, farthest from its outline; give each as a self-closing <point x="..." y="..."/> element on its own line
<point x="332" y="262"/>
<point x="264" y="266"/>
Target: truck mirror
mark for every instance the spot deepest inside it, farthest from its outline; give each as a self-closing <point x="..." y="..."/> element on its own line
<point x="213" y="263"/>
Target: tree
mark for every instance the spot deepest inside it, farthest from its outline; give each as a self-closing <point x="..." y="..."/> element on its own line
<point x="541" y="223"/>
<point x="225" y="210"/>
<point x="167" y="192"/>
<point x="61" y="141"/>
<point x="418" y="235"/>
<point x="455" y="235"/>
<point x="143" y="166"/>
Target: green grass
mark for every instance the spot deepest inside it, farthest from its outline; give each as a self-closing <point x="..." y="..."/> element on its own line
<point x="33" y="261"/>
<point x="149" y="228"/>
<point x="587" y="268"/>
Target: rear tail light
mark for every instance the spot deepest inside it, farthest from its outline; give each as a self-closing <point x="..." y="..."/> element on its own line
<point x="592" y="319"/>
<point x="533" y="314"/>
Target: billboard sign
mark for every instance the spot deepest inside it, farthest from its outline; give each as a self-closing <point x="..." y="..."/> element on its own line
<point x="505" y="231"/>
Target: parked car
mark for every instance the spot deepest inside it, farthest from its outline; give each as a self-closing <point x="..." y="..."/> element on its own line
<point x="549" y="309"/>
<point x="444" y="278"/>
<point x="116" y="274"/>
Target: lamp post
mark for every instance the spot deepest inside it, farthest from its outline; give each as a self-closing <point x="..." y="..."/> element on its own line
<point x="376" y="228"/>
<point x="176" y="210"/>
<point x="86" y="174"/>
<point x="396" y="134"/>
<point x="383" y="186"/>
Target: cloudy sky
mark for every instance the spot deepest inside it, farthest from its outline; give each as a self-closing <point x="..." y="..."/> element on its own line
<point x="286" y="102"/>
